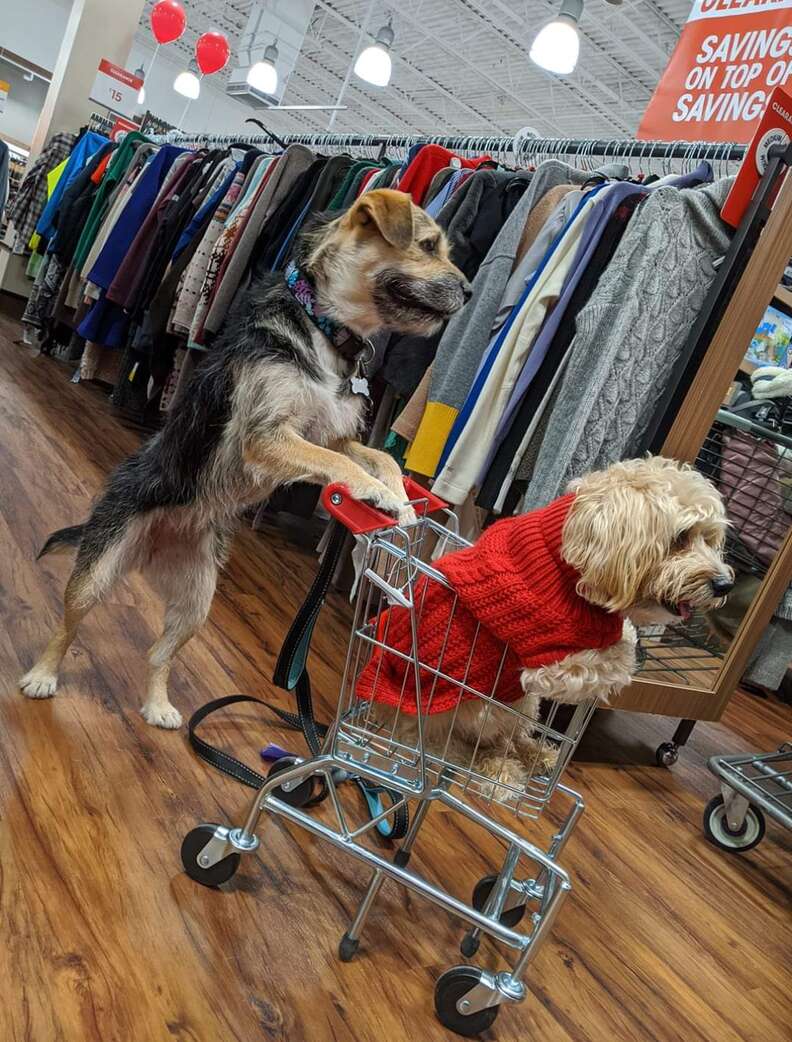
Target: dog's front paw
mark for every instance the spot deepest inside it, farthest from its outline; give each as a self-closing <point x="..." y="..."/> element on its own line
<point x="407" y="515"/>
<point x="38" y="683"/>
<point x="382" y="499"/>
<point x="160" y="714"/>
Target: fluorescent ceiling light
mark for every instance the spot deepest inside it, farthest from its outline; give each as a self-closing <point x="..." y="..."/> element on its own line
<point x="187" y="83"/>
<point x="374" y="63"/>
<point x="263" y="75"/>
<point x="557" y="46"/>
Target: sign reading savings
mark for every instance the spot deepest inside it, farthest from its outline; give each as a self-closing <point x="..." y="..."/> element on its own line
<point x="730" y="56"/>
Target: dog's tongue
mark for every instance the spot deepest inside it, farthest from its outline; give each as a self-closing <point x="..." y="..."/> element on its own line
<point x="685" y="610"/>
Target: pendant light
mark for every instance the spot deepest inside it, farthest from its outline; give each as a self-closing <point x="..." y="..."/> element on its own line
<point x="263" y="75"/>
<point x="141" y="74"/>
<point x="374" y="63"/>
<point x="557" y="45"/>
<point x="187" y="83"/>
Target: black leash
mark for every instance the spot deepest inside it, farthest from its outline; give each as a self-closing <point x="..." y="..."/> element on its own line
<point x="291" y="674"/>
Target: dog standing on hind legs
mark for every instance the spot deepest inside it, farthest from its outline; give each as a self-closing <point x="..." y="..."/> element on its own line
<point x="276" y="401"/>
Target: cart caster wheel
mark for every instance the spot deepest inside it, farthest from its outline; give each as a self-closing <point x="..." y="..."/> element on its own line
<point x="301" y="794"/>
<point x="509" y="916"/>
<point x="347" y="948"/>
<point x="191" y="848"/>
<point x="450" y="988"/>
<point x="717" y="831"/>
<point x="667" y="754"/>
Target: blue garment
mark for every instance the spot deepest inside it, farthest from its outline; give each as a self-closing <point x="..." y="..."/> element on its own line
<point x="132" y="216"/>
<point x="445" y="193"/>
<point x="106" y="324"/>
<point x="292" y="232"/>
<point x="497" y="342"/>
<point x="87" y="146"/>
<point x="208" y="207"/>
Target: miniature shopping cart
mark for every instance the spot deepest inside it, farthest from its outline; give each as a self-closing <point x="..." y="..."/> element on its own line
<point x="418" y="762"/>
<point x="752" y="785"/>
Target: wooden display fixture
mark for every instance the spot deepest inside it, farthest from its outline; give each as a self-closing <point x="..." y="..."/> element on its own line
<point x="698" y="685"/>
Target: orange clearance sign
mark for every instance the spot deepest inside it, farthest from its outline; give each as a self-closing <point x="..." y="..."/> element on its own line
<point x="730" y="56"/>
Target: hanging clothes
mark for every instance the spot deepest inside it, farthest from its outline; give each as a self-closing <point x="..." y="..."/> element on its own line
<point x="428" y="160"/>
<point x="471" y="218"/>
<point x="476" y="423"/>
<point x="31" y="198"/>
<point x="86" y="147"/>
<point x="284" y="171"/>
<point x="468" y="333"/>
<point x="629" y="336"/>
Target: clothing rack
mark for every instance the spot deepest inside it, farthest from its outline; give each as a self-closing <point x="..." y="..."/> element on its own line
<point x="518" y="149"/>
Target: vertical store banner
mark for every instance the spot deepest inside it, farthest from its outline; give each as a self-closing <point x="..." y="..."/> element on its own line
<point x="730" y="56"/>
<point x="4" y="89"/>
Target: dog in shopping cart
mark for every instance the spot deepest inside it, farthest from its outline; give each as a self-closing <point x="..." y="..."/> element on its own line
<point x="280" y="398"/>
<point x="543" y="609"/>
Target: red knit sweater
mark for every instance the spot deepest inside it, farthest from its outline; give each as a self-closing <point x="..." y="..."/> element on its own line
<point x="511" y="588"/>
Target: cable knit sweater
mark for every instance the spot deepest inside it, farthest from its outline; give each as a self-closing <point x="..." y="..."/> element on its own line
<point x="511" y="588"/>
<point x="630" y="335"/>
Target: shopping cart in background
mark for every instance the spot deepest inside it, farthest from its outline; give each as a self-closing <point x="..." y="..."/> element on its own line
<point x="752" y="785"/>
<point x="419" y="762"/>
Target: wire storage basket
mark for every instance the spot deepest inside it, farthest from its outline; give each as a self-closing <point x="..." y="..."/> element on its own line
<point x="420" y="724"/>
<point x="750" y="463"/>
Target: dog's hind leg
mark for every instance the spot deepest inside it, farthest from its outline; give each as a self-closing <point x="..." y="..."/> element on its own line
<point x="186" y="581"/>
<point x="89" y="583"/>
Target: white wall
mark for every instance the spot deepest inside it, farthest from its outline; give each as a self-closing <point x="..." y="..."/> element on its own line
<point x="22" y="106"/>
<point x="34" y="29"/>
<point x="213" y="111"/>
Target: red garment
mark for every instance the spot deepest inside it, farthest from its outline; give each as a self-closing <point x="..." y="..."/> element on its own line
<point x="512" y="587"/>
<point x="99" y="173"/>
<point x="431" y="158"/>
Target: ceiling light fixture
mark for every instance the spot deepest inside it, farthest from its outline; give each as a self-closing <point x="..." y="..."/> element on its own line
<point x="557" y="46"/>
<point x="187" y="83"/>
<point x="263" y="75"/>
<point x="374" y="63"/>
<point x="140" y="72"/>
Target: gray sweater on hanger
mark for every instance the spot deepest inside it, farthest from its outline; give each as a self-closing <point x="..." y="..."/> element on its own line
<point x="630" y="335"/>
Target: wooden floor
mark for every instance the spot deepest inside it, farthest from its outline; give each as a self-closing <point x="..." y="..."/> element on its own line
<point x="104" y="939"/>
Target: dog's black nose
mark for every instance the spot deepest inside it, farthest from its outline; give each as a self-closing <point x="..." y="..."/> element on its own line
<point x="467" y="290"/>
<point x="721" y="585"/>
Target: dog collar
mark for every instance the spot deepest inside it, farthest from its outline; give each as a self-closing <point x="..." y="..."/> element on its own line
<point x="304" y="292"/>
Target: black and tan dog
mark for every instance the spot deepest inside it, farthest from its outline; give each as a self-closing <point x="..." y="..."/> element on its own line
<point x="273" y="404"/>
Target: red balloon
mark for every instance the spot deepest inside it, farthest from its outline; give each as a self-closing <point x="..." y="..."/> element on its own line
<point x="212" y="52"/>
<point x="168" y="21"/>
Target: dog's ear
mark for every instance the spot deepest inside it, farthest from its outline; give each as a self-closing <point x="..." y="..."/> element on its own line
<point x="616" y="536"/>
<point x="390" y="212"/>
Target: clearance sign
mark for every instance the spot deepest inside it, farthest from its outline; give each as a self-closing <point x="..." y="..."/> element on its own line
<point x="730" y="56"/>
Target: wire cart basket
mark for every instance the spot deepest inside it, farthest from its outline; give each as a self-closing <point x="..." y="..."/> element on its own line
<point x="752" y="785"/>
<point x="490" y="761"/>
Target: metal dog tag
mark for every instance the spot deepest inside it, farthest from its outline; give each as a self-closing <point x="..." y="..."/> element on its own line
<point x="358" y="382"/>
<point x="359" y="385"/>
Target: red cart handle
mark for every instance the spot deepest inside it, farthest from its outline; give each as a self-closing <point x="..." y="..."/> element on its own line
<point x="361" y="518"/>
